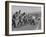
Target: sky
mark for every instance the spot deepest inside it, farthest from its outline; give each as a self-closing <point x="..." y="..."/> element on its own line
<point x="27" y="9"/>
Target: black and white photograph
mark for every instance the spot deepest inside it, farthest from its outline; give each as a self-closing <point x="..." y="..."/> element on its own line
<point x="25" y="18"/>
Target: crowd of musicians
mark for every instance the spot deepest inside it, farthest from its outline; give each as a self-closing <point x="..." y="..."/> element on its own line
<point x="20" y="19"/>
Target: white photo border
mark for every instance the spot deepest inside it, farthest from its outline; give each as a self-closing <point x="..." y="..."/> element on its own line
<point x="28" y="31"/>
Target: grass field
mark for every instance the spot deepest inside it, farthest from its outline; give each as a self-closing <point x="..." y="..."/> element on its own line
<point x="28" y="27"/>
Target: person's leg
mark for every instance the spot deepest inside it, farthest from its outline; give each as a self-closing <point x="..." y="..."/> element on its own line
<point x="30" y="21"/>
<point x="33" y="22"/>
<point x="13" y="23"/>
